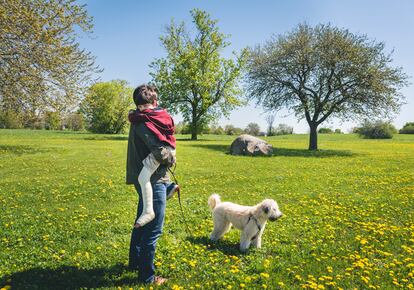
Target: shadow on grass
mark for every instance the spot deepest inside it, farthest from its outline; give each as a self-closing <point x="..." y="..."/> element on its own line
<point x="311" y="153"/>
<point x="20" y="149"/>
<point x="69" y="277"/>
<point x="198" y="140"/>
<point x="289" y="152"/>
<point x="222" y="245"/>
<point x="216" y="147"/>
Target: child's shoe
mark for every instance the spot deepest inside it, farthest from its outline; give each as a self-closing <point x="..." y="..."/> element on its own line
<point x="171" y="189"/>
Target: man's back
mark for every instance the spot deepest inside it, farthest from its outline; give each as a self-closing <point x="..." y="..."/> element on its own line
<point x="141" y="142"/>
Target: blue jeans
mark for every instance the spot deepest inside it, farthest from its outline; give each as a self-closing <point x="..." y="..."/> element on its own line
<point x="144" y="239"/>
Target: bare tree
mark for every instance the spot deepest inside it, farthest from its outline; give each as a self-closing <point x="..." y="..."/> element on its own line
<point x="270" y="119"/>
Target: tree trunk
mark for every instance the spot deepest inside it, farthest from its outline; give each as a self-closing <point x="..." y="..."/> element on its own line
<point x="194" y="123"/>
<point x="313" y="137"/>
<point x="194" y="130"/>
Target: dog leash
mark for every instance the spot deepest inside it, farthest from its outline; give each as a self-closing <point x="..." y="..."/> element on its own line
<point x="172" y="172"/>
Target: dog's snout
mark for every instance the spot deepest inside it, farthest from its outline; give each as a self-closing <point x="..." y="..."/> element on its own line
<point x="275" y="217"/>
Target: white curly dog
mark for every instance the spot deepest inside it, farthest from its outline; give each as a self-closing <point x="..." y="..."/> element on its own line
<point x="251" y="220"/>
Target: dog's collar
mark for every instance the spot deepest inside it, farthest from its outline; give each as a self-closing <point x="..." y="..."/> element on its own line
<point x="257" y="224"/>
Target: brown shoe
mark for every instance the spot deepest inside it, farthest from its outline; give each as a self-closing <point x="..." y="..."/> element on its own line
<point x="158" y="280"/>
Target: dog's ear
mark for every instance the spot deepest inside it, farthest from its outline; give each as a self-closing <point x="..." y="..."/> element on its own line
<point x="266" y="209"/>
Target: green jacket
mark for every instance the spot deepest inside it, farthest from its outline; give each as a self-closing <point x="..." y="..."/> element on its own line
<point x="141" y="142"/>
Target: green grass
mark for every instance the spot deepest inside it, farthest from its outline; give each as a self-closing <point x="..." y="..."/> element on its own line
<point x="66" y="213"/>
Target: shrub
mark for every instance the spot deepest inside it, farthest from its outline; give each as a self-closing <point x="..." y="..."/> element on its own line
<point x="338" y="131"/>
<point x="376" y="130"/>
<point x="74" y="121"/>
<point x="408" y="128"/>
<point x="10" y="120"/>
<point x="51" y="120"/>
<point x="325" y="131"/>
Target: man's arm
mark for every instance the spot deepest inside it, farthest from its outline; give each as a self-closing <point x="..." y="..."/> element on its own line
<point x="157" y="148"/>
<point x="134" y="116"/>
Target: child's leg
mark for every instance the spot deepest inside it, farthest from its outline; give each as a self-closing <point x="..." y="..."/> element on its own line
<point x="150" y="165"/>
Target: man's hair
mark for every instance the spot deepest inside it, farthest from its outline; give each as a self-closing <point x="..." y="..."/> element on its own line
<point x="145" y="94"/>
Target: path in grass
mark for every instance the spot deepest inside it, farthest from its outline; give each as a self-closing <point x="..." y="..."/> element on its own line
<point x="66" y="214"/>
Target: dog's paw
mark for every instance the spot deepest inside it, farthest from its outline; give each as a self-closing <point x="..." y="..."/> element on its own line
<point x="213" y="239"/>
<point x="244" y="250"/>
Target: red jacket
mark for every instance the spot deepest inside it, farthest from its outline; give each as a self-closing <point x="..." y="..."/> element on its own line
<point x="158" y="121"/>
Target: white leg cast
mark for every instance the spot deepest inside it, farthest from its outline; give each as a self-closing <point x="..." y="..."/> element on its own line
<point x="150" y="165"/>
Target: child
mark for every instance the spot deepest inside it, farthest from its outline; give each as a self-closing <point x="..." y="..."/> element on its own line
<point x="160" y="123"/>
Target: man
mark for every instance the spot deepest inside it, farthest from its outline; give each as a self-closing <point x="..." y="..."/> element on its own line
<point x="142" y="142"/>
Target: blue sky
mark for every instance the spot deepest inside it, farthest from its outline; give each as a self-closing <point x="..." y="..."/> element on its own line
<point x="126" y="37"/>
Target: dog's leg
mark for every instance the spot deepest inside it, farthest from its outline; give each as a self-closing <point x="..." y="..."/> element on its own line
<point x="228" y="228"/>
<point x="220" y="228"/>
<point x="245" y="240"/>
<point x="257" y="242"/>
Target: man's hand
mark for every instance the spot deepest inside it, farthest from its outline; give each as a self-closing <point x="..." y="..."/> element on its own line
<point x="164" y="156"/>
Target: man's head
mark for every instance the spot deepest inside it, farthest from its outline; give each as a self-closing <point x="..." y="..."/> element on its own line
<point x="145" y="96"/>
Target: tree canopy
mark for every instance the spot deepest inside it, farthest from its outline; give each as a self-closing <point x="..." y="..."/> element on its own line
<point x="252" y="129"/>
<point x="323" y="71"/>
<point x="194" y="79"/>
<point x="106" y="106"/>
<point x="42" y="67"/>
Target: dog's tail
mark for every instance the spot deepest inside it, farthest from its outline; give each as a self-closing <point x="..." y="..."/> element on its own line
<point x="214" y="200"/>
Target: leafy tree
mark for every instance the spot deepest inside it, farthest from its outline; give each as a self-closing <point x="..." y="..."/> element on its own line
<point x="252" y="129"/>
<point x="42" y="67"/>
<point x="324" y="71"/>
<point x="218" y="130"/>
<point x="338" y="131"/>
<point x="408" y="128"/>
<point x="193" y="78"/>
<point x="283" y="129"/>
<point x="232" y="130"/>
<point x="181" y="128"/>
<point x="106" y="106"/>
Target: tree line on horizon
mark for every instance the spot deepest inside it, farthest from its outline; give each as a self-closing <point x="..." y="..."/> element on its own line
<point x="316" y="72"/>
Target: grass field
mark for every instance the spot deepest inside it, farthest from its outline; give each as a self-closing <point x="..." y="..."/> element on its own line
<point x="66" y="214"/>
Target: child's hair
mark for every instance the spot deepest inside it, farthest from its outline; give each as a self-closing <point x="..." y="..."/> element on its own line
<point x="145" y="94"/>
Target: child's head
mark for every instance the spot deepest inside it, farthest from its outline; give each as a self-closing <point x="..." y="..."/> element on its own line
<point x="145" y="96"/>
